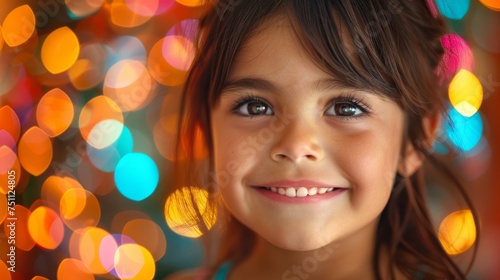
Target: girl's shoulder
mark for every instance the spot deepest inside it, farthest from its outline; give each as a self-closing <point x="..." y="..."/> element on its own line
<point x="192" y="274"/>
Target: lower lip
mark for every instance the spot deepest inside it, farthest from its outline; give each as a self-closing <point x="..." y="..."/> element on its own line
<point x="306" y="199"/>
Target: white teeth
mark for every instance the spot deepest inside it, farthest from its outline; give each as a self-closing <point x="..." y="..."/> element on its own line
<point x="313" y="191"/>
<point x="300" y="192"/>
<point x="290" y="192"/>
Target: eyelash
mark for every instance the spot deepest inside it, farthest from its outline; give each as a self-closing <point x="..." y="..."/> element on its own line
<point x="246" y="99"/>
<point x="343" y="98"/>
<point x="351" y="99"/>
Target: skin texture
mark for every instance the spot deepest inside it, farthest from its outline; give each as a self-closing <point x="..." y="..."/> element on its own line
<point x="300" y="137"/>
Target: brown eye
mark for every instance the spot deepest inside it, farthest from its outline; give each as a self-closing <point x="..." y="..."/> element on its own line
<point x="257" y="108"/>
<point x="345" y="109"/>
<point x="253" y="108"/>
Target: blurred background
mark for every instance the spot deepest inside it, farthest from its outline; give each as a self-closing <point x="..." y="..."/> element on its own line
<point x="88" y="95"/>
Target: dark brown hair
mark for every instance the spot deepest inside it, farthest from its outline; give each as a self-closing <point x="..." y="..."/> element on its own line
<point x="388" y="46"/>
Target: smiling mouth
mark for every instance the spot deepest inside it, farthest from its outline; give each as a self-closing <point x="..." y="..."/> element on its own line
<point x="300" y="191"/>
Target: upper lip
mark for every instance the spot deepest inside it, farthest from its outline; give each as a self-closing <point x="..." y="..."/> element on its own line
<point x="296" y="184"/>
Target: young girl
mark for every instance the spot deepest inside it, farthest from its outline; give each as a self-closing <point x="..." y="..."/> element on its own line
<point x="317" y="117"/>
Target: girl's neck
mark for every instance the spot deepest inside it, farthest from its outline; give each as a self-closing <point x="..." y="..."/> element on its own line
<point x="351" y="258"/>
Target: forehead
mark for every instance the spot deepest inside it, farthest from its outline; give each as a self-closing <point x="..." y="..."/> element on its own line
<point x="273" y="49"/>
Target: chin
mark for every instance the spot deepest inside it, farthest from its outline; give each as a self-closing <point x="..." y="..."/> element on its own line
<point x="297" y="242"/>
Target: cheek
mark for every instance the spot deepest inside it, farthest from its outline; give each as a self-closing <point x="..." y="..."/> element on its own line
<point x="370" y="164"/>
<point x="233" y="152"/>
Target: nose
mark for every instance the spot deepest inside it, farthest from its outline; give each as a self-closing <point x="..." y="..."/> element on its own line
<point x="297" y="142"/>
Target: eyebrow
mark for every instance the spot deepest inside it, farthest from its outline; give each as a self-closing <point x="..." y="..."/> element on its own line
<point x="252" y="83"/>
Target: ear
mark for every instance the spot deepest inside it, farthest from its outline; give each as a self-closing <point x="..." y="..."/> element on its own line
<point x="413" y="158"/>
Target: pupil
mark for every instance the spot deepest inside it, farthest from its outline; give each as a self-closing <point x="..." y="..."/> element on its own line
<point x="346" y="110"/>
<point x="256" y="108"/>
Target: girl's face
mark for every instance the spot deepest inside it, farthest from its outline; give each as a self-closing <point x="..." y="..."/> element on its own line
<point x="300" y="158"/>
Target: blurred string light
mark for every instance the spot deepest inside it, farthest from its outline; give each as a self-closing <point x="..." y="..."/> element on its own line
<point x="35" y="151"/>
<point x="79" y="208"/>
<point x="457" y="55"/>
<point x="132" y="13"/>
<point x="464" y="132"/>
<point x="492" y="4"/>
<point x="4" y="271"/>
<point x="106" y="151"/>
<point x="70" y="269"/>
<point x="81" y="9"/>
<point x="191" y="3"/>
<point x="98" y="109"/>
<point x="45" y="227"/>
<point x="453" y="9"/>
<point x="133" y="261"/>
<point x="60" y="50"/>
<point x="181" y="214"/>
<point x="129" y="83"/>
<point x="88" y="71"/>
<point x="465" y="93"/>
<point x="18" y="26"/>
<point x="10" y="122"/>
<point x="8" y="161"/>
<point x="136" y="176"/>
<point x="54" y="112"/>
<point x="457" y="232"/>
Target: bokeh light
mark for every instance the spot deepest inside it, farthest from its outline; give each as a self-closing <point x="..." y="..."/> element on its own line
<point x="492" y="4"/>
<point x="465" y="93"/>
<point x="191" y="3"/>
<point x="136" y="176"/>
<point x="79" y="208"/>
<point x="8" y="164"/>
<point x="35" y="151"/>
<point x="46" y="227"/>
<point x="83" y="8"/>
<point x="125" y="48"/>
<point x="89" y="70"/>
<point x="60" y="50"/>
<point x="54" y="112"/>
<point x="88" y="243"/>
<point x="178" y="51"/>
<point x="98" y="109"/>
<point x="116" y="141"/>
<point x="133" y="261"/>
<point x="464" y="132"/>
<point x="10" y="122"/>
<point x="54" y="187"/>
<point x="181" y="214"/>
<point x="457" y="232"/>
<point x="7" y="140"/>
<point x="154" y="241"/>
<point x="453" y="9"/>
<point x="70" y="269"/>
<point x="3" y="210"/>
<point x="160" y="69"/>
<point x="128" y="82"/>
<point x="24" y="241"/>
<point x="132" y="13"/>
<point x="1" y="39"/>
<point x="457" y="55"/>
<point x="4" y="271"/>
<point x="18" y="26"/>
